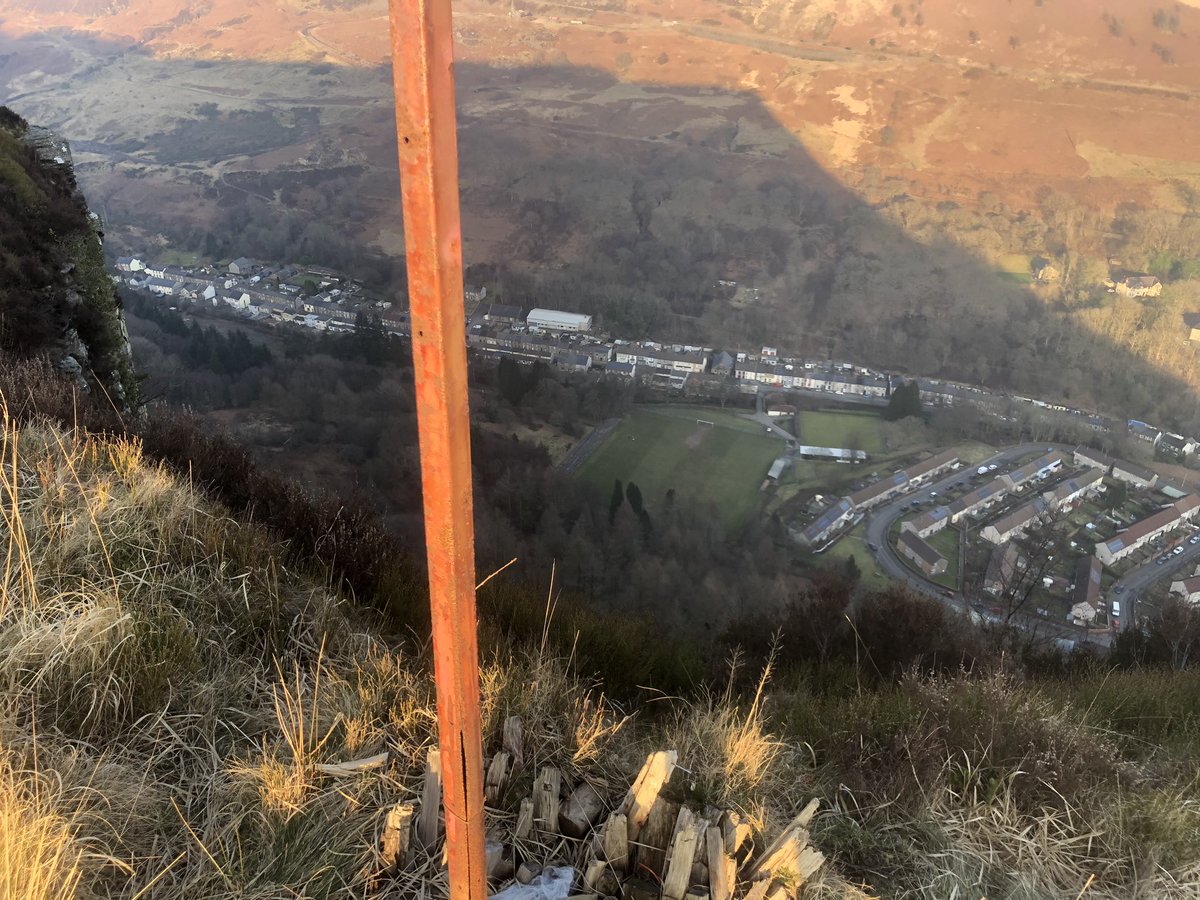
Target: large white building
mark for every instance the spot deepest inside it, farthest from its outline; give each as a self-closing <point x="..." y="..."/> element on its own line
<point x="557" y="320"/>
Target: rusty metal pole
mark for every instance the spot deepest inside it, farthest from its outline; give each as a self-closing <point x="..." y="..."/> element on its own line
<point x="423" y="74"/>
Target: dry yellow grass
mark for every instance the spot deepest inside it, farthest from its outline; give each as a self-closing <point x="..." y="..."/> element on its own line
<point x="40" y="858"/>
<point x="170" y="689"/>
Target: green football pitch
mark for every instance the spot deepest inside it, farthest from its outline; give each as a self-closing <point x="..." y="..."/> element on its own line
<point x="660" y="449"/>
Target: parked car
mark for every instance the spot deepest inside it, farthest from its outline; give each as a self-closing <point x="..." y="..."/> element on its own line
<point x="872" y="547"/>
<point x="1120" y="589"/>
<point x="1177" y="551"/>
<point x="1194" y="539"/>
<point x="946" y="592"/>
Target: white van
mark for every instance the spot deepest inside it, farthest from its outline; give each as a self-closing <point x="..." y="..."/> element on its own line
<point x="1116" y="609"/>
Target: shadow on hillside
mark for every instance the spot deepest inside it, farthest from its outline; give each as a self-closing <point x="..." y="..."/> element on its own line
<point x="657" y="193"/>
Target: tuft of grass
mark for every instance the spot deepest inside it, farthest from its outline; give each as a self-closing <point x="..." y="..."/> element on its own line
<point x="40" y="857"/>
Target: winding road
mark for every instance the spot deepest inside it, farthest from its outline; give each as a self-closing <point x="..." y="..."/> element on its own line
<point x="881" y="519"/>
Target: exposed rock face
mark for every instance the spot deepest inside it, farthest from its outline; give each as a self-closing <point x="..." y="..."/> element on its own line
<point x="56" y="297"/>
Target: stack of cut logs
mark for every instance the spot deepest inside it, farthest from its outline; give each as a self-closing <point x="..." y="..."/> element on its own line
<point x="649" y="847"/>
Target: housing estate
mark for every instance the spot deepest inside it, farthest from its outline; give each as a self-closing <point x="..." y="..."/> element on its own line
<point x="654" y="356"/>
<point x="1085" y="599"/>
<point x="930" y="522"/>
<point x="886" y="488"/>
<point x="1141" y="533"/>
<point x="1138" y="476"/>
<point x="1039" y="468"/>
<point x="1073" y="489"/>
<point x="1006" y="528"/>
<point x="1086" y="456"/>
<point x="927" y="559"/>
<point x="1187" y="588"/>
<point x="978" y="500"/>
<point x="829" y="521"/>
<point x="1003" y="566"/>
<point x="1139" y="286"/>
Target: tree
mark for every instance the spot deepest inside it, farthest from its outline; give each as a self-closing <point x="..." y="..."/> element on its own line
<point x="904" y="402"/>
<point x="309" y="287"/>
<point x="633" y="494"/>
<point x="1115" y="496"/>
<point x="850" y="569"/>
<point x="614" y="503"/>
<point x="512" y="382"/>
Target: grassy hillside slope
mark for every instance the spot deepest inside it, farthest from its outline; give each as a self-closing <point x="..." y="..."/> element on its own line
<point x="172" y="679"/>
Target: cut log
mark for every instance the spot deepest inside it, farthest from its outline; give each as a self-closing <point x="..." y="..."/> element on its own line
<point x="581" y="811"/>
<point x="353" y="766"/>
<point x="806" y="815"/>
<point x="656" y="836"/>
<point x="790" y="857"/>
<point x="736" y="832"/>
<point x="615" y="842"/>
<point x="722" y="870"/>
<point x="797" y="831"/>
<point x="682" y="854"/>
<point x="758" y="891"/>
<point x="524" y="826"/>
<point x="512" y="739"/>
<point x="397" y="832"/>
<point x="431" y="801"/>
<point x="645" y="790"/>
<point x="683" y="820"/>
<point x="546" y="793"/>
<point x="601" y="878"/>
<point x="497" y="777"/>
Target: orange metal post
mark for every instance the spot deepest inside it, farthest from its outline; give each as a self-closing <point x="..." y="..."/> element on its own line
<point x="423" y="72"/>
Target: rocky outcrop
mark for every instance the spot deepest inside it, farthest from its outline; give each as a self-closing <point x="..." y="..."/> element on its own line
<point x="57" y="300"/>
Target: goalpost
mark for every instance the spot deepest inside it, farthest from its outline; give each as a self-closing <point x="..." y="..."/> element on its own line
<point x="707" y="422"/>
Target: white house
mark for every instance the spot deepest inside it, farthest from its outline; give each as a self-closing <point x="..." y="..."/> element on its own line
<point x="160" y="286"/>
<point x="1138" y="476"/>
<point x="655" y="357"/>
<point x="1005" y="529"/>
<point x="1188" y="589"/>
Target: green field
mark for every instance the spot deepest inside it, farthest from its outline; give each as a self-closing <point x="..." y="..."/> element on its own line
<point x="663" y="448"/>
<point x="946" y="542"/>
<point x="1015" y="267"/>
<point x="854" y="543"/>
<point x="855" y="430"/>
